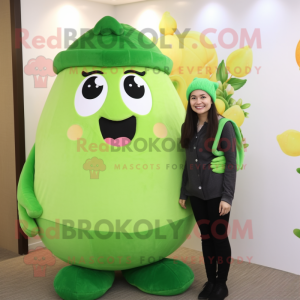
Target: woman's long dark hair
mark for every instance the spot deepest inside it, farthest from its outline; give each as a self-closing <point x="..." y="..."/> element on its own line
<point x="189" y="127"/>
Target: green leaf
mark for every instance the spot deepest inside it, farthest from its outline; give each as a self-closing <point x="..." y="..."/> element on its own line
<point x="231" y="101"/>
<point x="246" y="105"/>
<point x="246" y="145"/>
<point x="246" y="114"/>
<point x="239" y="102"/>
<point x="228" y="97"/>
<point x="298" y="170"/>
<point x="236" y="83"/>
<point x="219" y="93"/>
<point x="222" y="74"/>
<point x="222" y="98"/>
<point x="225" y="102"/>
<point x="297" y="232"/>
<point x="225" y="95"/>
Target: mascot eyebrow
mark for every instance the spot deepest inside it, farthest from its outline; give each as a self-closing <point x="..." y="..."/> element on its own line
<point x="133" y="71"/>
<point x="85" y="74"/>
<point x="90" y="73"/>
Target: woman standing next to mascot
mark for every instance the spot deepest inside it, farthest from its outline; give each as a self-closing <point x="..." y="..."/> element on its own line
<point x="210" y="192"/>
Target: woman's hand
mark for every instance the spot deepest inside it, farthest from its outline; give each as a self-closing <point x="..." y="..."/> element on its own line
<point x="182" y="203"/>
<point x="224" y="208"/>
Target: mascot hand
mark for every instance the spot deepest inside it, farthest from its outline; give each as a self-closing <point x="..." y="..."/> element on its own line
<point x="218" y="164"/>
<point x="27" y="223"/>
<point x="28" y="206"/>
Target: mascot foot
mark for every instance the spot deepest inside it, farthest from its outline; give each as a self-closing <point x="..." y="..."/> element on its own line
<point x="166" y="277"/>
<point x="77" y="283"/>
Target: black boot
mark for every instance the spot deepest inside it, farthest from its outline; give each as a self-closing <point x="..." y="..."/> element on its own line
<point x="219" y="292"/>
<point x="207" y="288"/>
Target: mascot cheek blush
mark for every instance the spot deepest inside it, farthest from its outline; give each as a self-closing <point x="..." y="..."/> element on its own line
<point x="102" y="181"/>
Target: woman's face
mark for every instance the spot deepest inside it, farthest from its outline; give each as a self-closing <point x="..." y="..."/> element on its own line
<point x="200" y="101"/>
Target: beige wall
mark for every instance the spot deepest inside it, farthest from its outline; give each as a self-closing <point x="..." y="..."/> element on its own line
<point x="8" y="203"/>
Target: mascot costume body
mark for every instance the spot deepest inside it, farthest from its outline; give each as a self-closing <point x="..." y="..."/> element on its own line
<point x="111" y="201"/>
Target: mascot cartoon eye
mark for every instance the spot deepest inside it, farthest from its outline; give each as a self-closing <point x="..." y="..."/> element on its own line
<point x="90" y="95"/>
<point x="136" y="94"/>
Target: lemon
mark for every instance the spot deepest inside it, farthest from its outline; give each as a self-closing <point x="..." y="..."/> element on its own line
<point x="239" y="62"/>
<point x="298" y="54"/>
<point x="175" y="53"/>
<point x="213" y="76"/>
<point x="180" y="87"/>
<point x="167" y="25"/>
<point x="236" y="114"/>
<point x="289" y="142"/>
<point x="220" y="105"/>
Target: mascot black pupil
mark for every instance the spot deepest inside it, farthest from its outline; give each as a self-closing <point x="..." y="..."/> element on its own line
<point x="132" y="89"/>
<point x="90" y="89"/>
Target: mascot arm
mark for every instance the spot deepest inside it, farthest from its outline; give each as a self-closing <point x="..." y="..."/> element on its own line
<point x="218" y="163"/>
<point x="28" y="206"/>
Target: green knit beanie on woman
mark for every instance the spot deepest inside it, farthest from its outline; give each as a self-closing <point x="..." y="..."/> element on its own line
<point x="203" y="84"/>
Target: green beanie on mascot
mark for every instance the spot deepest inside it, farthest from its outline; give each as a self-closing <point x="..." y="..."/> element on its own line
<point x="102" y="182"/>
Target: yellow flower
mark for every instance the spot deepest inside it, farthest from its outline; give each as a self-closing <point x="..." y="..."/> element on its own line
<point x="229" y="89"/>
<point x="239" y="62"/>
<point x="289" y="142"/>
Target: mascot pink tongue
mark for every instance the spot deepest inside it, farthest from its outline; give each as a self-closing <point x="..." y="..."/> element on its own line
<point x="112" y="208"/>
<point x="119" y="142"/>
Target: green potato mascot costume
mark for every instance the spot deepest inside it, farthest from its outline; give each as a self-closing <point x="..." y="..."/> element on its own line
<point x="111" y="202"/>
<point x="101" y="184"/>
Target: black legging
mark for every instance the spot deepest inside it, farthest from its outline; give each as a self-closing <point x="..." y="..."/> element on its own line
<point x="216" y="249"/>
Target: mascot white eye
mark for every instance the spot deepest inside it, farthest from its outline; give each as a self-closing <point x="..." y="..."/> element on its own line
<point x="90" y="95"/>
<point x="136" y="94"/>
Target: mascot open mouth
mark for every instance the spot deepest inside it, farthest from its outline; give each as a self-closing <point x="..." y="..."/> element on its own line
<point x="118" y="133"/>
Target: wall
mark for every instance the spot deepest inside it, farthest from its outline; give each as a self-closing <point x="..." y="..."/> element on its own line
<point x="8" y="203"/>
